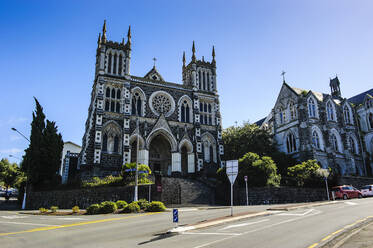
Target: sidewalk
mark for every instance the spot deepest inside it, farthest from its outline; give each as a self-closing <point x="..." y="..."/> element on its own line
<point x="362" y="239"/>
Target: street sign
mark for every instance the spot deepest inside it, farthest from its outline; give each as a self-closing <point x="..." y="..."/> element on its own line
<point x="175" y="215"/>
<point x="245" y="178"/>
<point x="232" y="170"/>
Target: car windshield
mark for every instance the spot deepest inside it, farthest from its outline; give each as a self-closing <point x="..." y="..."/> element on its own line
<point x="345" y="188"/>
<point x="366" y="187"/>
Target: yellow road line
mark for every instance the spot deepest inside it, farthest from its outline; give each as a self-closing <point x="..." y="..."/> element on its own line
<point x="74" y="224"/>
<point x="327" y="237"/>
<point x="314" y="245"/>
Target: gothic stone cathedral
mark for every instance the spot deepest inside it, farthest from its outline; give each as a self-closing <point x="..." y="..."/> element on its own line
<point x="178" y="125"/>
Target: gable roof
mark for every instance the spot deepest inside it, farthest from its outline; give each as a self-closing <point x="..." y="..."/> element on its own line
<point x="154" y="75"/>
<point x="359" y="99"/>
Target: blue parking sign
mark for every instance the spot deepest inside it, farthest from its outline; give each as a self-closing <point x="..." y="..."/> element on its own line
<point x="175" y="215"/>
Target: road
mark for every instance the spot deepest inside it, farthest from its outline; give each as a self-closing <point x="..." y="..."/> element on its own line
<point x="298" y="228"/>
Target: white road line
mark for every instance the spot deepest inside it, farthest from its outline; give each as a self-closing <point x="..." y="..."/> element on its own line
<point x="243" y="224"/>
<point x="351" y="203"/>
<point x="24" y="223"/>
<point x="11" y="217"/>
<point x="259" y="229"/>
<point x="229" y="234"/>
<point x="303" y="214"/>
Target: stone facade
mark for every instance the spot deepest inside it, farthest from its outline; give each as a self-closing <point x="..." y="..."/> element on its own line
<point x="364" y="109"/>
<point x="176" y="127"/>
<point x="313" y="125"/>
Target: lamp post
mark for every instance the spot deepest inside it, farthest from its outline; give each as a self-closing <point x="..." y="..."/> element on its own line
<point x="28" y="171"/>
<point x="135" y="198"/>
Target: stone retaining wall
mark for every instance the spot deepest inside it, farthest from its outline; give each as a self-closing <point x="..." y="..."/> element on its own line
<point x="357" y="182"/>
<point x="269" y="195"/>
<point x="172" y="191"/>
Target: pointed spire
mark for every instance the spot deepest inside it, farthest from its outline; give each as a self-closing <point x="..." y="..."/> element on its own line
<point x="213" y="54"/>
<point x="129" y="37"/>
<point x="99" y="39"/>
<point x="184" y="59"/>
<point x="104" y="32"/>
<point x="122" y="41"/>
<point x="194" y="52"/>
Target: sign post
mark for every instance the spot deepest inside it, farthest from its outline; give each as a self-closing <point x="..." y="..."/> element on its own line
<point x="247" y="195"/>
<point x="232" y="171"/>
<point x="325" y="173"/>
<point x="175" y="216"/>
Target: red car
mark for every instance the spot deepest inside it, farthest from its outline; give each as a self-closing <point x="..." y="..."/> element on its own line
<point x="346" y="192"/>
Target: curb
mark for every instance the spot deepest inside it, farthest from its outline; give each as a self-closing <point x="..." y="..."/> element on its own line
<point x="339" y="237"/>
<point x="216" y="222"/>
<point x="303" y="206"/>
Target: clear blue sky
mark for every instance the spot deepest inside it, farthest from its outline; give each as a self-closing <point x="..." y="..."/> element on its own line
<point x="48" y="51"/>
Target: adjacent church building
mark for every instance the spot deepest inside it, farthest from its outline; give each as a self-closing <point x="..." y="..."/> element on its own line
<point x="177" y="126"/>
<point x="335" y="131"/>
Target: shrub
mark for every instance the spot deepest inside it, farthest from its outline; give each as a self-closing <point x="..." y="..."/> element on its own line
<point x="75" y="209"/>
<point x="108" y="207"/>
<point x="133" y="207"/>
<point x="129" y="176"/>
<point x="106" y="181"/>
<point x="121" y="204"/>
<point x="54" y="209"/>
<point x="305" y="174"/>
<point x="261" y="171"/>
<point x="43" y="210"/>
<point x="93" y="209"/>
<point x="143" y="204"/>
<point x="156" y="206"/>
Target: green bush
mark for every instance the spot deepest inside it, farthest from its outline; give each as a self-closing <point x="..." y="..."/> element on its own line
<point x="76" y="209"/>
<point x="133" y="207"/>
<point x="108" y="207"/>
<point x="93" y="209"/>
<point x="156" y="206"/>
<point x="121" y="204"/>
<point x="106" y="181"/>
<point x="144" y="204"/>
<point x="129" y="176"/>
<point x="43" y="210"/>
<point x="261" y="171"/>
<point x="305" y="174"/>
<point x="54" y="209"/>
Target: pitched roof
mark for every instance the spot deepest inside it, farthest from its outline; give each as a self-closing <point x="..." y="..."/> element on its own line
<point x="154" y="75"/>
<point x="320" y="96"/>
<point x="260" y="122"/>
<point x="359" y="99"/>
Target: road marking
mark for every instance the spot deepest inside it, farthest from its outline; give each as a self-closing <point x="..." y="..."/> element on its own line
<point x="351" y="203"/>
<point x="303" y="214"/>
<point x="229" y="234"/>
<point x="74" y="224"/>
<point x="243" y="224"/>
<point x="24" y="223"/>
<point x="11" y="217"/>
<point x="314" y="245"/>
<point x="259" y="229"/>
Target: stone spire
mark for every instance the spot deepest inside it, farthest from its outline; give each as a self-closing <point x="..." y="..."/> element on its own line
<point x="99" y="39"/>
<point x="129" y="36"/>
<point x="184" y="59"/>
<point x="194" y="53"/>
<point x="213" y="55"/>
<point x="104" y="32"/>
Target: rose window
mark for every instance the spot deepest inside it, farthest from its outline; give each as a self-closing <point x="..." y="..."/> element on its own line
<point x="162" y="103"/>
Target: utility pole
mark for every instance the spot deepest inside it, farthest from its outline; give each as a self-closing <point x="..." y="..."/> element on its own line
<point x="28" y="172"/>
<point x="135" y="198"/>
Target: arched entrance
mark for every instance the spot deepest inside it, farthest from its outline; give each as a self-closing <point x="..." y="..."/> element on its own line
<point x="160" y="155"/>
<point x="184" y="160"/>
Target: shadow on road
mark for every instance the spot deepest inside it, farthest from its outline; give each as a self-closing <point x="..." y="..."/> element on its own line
<point x="157" y="237"/>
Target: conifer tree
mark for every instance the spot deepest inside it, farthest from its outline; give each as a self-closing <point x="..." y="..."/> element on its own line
<point x="43" y="156"/>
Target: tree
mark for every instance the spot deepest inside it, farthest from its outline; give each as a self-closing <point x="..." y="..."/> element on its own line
<point x="43" y="156"/>
<point x="261" y="171"/>
<point x="144" y="172"/>
<point x="10" y="174"/>
<point x="305" y="174"/>
<point x="250" y="138"/>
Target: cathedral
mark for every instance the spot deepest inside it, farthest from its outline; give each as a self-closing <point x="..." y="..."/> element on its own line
<point x="335" y="131"/>
<point x="175" y="127"/>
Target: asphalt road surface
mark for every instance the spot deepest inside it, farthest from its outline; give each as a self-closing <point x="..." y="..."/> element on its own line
<point x="298" y="228"/>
